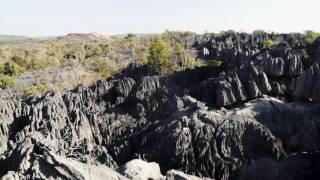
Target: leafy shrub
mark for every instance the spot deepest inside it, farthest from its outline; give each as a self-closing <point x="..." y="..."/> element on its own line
<point x="36" y="64"/>
<point x="19" y="61"/>
<point x="12" y="69"/>
<point x="1" y="69"/>
<point x="6" y="82"/>
<point x="94" y="50"/>
<point x="52" y="62"/>
<point x="159" y="55"/>
<point x="200" y="63"/>
<point x="142" y="57"/>
<point x="182" y="59"/>
<point x="75" y="51"/>
<point x="311" y="36"/>
<point x="214" y="63"/>
<point x="104" y="68"/>
<point x="270" y="43"/>
<point x="55" y="49"/>
<point x="105" y="48"/>
<point x="34" y="90"/>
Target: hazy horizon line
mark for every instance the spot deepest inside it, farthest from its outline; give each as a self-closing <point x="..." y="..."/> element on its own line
<point x="119" y="34"/>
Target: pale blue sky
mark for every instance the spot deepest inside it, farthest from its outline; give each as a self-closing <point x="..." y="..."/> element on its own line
<point x="58" y="17"/>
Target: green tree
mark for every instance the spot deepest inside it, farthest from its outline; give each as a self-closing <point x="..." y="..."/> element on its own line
<point x="182" y="59"/>
<point x="159" y="55"/>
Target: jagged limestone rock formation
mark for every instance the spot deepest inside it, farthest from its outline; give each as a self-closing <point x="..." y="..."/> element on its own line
<point x="157" y="123"/>
<point x="214" y="122"/>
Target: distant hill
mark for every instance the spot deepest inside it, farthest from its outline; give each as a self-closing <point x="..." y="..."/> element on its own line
<point x="21" y="39"/>
<point x="13" y="38"/>
<point x="84" y="36"/>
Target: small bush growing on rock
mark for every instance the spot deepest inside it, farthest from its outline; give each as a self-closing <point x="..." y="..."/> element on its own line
<point x="6" y="82"/>
<point x="214" y="63"/>
<point x="270" y="43"/>
<point x="34" y="90"/>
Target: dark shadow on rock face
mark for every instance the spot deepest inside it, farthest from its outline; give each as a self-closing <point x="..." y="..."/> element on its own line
<point x="18" y="126"/>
